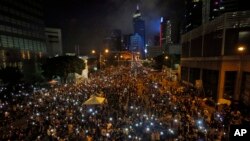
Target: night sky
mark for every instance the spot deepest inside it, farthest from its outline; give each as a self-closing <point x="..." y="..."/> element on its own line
<point x="87" y="22"/>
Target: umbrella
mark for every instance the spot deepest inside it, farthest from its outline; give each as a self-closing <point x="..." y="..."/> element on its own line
<point x="94" y="100"/>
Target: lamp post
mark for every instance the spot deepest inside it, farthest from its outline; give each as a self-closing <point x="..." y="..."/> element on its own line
<point x="120" y="58"/>
<point x="241" y="50"/>
<point x="94" y="53"/>
<point x="100" y="56"/>
<point x="106" y="50"/>
<point x="167" y="58"/>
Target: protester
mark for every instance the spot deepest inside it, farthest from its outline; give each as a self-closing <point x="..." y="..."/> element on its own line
<point x="141" y="105"/>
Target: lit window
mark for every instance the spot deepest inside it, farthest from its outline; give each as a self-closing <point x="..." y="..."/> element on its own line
<point x="10" y="41"/>
<point x="222" y="7"/>
<point x="16" y="45"/>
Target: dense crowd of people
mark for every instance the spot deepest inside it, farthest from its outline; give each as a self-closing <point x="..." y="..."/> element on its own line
<point x="140" y="105"/>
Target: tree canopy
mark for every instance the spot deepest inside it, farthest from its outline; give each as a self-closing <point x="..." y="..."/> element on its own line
<point x="160" y="60"/>
<point x="10" y="74"/>
<point x="61" y="66"/>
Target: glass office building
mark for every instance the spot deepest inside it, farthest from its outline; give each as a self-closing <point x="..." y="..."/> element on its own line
<point x="22" y="36"/>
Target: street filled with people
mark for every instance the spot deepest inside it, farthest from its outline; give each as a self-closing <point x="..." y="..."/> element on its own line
<point x="140" y="104"/>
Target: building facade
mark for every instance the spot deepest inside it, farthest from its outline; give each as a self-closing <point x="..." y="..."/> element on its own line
<point x="193" y="14"/>
<point x="214" y="8"/>
<point x="53" y="42"/>
<point x="165" y="34"/>
<point x="170" y="48"/>
<point x="210" y="53"/>
<point x="136" y="44"/>
<point x="154" y="51"/>
<point x="126" y="42"/>
<point x="22" y="38"/>
<point x="199" y="12"/>
<point x="139" y="28"/>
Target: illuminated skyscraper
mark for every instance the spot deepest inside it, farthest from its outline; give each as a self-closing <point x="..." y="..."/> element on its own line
<point x="136" y="42"/>
<point x="139" y="28"/>
<point x="165" y="33"/>
<point x="169" y="31"/>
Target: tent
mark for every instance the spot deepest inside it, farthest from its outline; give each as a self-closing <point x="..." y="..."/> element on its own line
<point x="224" y="101"/>
<point x="53" y="82"/>
<point x="95" y="100"/>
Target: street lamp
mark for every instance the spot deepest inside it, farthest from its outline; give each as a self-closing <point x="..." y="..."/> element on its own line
<point x="106" y="51"/>
<point x="170" y="68"/>
<point x="166" y="58"/>
<point x="241" y="50"/>
<point x="94" y="53"/>
<point x="100" y="56"/>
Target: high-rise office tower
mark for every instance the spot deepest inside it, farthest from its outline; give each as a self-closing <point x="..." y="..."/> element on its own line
<point x="136" y="43"/>
<point x="22" y="37"/>
<point x="193" y="14"/>
<point x="165" y="33"/>
<point x="233" y="5"/>
<point x="116" y="37"/>
<point x="139" y="28"/>
<point x="214" y="8"/>
<point x="170" y="31"/>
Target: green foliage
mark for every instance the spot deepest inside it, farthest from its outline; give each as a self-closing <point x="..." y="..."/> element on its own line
<point x="10" y="75"/>
<point x="159" y="62"/>
<point x="146" y="63"/>
<point x="61" y="66"/>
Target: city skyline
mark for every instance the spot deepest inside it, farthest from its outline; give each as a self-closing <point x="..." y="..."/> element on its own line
<point x="86" y="23"/>
<point x="192" y="84"/>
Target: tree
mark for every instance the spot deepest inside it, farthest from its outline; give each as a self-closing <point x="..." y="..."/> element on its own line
<point x="159" y="62"/>
<point x="61" y="66"/>
<point x="146" y="63"/>
<point x="10" y="75"/>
